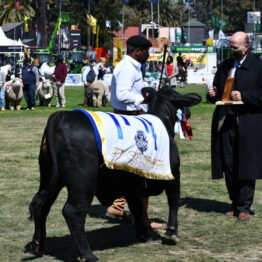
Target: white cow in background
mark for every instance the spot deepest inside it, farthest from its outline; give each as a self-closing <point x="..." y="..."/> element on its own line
<point x="45" y="92"/>
<point x="46" y="71"/>
<point x="6" y="69"/>
<point x="100" y="93"/>
<point x="14" y="93"/>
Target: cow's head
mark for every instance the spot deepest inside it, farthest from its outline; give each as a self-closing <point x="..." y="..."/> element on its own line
<point x="165" y="102"/>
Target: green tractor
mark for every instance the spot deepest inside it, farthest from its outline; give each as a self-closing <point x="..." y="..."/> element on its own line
<point x="75" y="61"/>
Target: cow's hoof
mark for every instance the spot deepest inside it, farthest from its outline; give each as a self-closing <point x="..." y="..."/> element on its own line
<point x="145" y="238"/>
<point x="18" y="108"/>
<point x="33" y="249"/>
<point x="170" y="239"/>
<point x="12" y="108"/>
<point x="92" y="258"/>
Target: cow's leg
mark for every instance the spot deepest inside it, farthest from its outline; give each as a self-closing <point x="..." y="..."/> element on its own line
<point x="135" y="205"/>
<point x="173" y="196"/>
<point x="40" y="207"/>
<point x="11" y="105"/>
<point x="80" y="196"/>
<point x="99" y="99"/>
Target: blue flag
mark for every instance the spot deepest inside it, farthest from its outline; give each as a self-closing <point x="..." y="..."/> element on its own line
<point x="90" y="1"/>
<point x="124" y="1"/>
<point x="154" y="1"/>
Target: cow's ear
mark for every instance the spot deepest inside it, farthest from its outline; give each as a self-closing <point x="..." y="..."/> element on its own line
<point x="190" y="99"/>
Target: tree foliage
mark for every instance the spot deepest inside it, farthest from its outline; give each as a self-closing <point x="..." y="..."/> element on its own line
<point x="234" y="12"/>
<point x="137" y="12"/>
<point x="10" y="13"/>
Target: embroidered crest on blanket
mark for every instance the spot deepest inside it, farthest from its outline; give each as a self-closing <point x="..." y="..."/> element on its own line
<point x="137" y="144"/>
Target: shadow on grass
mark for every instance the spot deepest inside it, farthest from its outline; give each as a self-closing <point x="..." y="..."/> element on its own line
<point x="118" y="235"/>
<point x="205" y="205"/>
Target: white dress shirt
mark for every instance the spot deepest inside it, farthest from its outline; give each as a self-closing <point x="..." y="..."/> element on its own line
<point x="126" y="85"/>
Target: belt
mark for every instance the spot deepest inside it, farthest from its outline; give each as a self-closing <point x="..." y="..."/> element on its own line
<point x="129" y="113"/>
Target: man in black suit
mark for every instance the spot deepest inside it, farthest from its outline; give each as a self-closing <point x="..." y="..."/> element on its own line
<point x="236" y="141"/>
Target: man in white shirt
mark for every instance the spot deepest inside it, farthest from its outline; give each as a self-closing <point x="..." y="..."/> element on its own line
<point x="87" y="85"/>
<point x="127" y="99"/>
<point x="127" y="80"/>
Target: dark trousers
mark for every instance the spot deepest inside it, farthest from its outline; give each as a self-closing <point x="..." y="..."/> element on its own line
<point x="29" y="93"/>
<point x="241" y="192"/>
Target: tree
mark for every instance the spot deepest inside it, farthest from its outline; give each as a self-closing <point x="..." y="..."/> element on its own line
<point x="11" y="13"/>
<point x="41" y="23"/>
<point x="234" y="12"/>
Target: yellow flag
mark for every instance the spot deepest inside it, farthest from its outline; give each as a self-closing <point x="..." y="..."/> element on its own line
<point x="92" y="21"/>
<point x="26" y="24"/>
<point x="119" y="50"/>
<point x="209" y="41"/>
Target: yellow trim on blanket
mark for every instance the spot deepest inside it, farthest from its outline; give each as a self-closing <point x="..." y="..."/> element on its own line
<point x="101" y="129"/>
<point x="138" y="171"/>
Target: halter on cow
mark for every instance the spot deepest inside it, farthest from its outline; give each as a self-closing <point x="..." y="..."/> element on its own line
<point x="69" y="157"/>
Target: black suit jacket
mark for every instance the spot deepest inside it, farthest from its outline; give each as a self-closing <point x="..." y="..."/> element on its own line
<point x="249" y="82"/>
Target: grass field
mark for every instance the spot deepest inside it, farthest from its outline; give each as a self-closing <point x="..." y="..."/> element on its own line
<point x="206" y="234"/>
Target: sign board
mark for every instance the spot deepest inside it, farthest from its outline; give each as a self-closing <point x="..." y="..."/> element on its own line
<point x="75" y="39"/>
<point x="74" y="80"/>
<point x="253" y="17"/>
<point x="11" y="49"/>
<point x="193" y="49"/>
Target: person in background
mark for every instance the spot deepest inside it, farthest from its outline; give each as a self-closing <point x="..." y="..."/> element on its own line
<point x="30" y="77"/>
<point x="2" y="91"/>
<point x="127" y="99"/>
<point x="236" y="142"/>
<point x="171" y="72"/>
<point x="59" y="77"/>
<point x="88" y="93"/>
<point x="101" y="70"/>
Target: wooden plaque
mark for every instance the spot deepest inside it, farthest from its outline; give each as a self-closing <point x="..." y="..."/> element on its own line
<point x="228" y="89"/>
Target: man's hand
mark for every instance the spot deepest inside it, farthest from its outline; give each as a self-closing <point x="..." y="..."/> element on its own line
<point x="147" y="93"/>
<point x="236" y="96"/>
<point x="212" y="91"/>
<point x="88" y="84"/>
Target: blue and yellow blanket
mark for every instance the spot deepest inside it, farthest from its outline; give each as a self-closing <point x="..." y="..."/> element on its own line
<point x="137" y="144"/>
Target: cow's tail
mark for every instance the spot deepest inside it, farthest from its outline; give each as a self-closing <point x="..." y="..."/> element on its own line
<point x="48" y="167"/>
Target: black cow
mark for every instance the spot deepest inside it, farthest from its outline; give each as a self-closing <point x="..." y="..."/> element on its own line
<point x="69" y="157"/>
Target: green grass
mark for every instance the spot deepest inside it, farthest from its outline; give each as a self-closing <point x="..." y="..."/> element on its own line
<point x="206" y="235"/>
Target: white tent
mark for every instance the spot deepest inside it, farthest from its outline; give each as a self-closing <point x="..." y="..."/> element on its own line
<point x="4" y="41"/>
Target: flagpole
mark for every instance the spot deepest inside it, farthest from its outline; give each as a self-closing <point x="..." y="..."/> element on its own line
<point x="152" y="18"/>
<point x="59" y="39"/>
<point x="123" y="22"/>
<point x="88" y="28"/>
<point x="16" y="4"/>
<point x="158" y="14"/>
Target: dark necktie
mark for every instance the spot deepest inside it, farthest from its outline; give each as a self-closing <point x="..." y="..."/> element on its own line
<point x="237" y="65"/>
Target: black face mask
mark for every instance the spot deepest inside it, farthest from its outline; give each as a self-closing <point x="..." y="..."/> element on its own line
<point x="144" y="59"/>
<point x="237" y="54"/>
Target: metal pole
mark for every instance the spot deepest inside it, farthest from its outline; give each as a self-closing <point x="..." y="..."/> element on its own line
<point x="123" y="22"/>
<point x="152" y="18"/>
<point x="88" y="28"/>
<point x="222" y="49"/>
<point x="163" y="65"/>
<point x="59" y="39"/>
<point x="14" y="39"/>
<point x="254" y="27"/>
<point x="158" y="14"/>
<point x="189" y="23"/>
